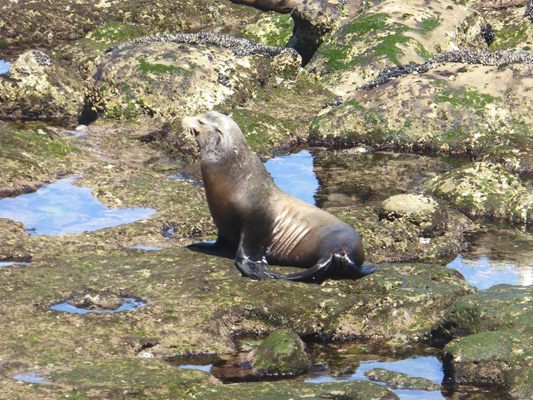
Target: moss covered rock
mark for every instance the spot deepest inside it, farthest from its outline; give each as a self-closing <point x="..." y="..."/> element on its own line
<point x="502" y="307"/>
<point x="389" y="34"/>
<point x="492" y="342"/>
<point x="33" y="156"/>
<point x="171" y="80"/>
<point x="282" y="353"/>
<point x="454" y="108"/>
<point x="270" y="29"/>
<point x="501" y="358"/>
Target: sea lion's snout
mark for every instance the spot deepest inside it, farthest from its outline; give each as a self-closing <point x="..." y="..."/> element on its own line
<point x="190" y="124"/>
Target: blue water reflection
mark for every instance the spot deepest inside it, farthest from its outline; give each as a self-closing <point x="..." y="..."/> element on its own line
<point x="294" y="175"/>
<point x="63" y="208"/>
<point x="483" y="272"/>
<point x="30" y="377"/>
<point x="423" y="367"/>
<point x="4" y="67"/>
<point x="206" y="368"/>
<point x="8" y="263"/>
<point x="148" y="248"/>
<point x="131" y="304"/>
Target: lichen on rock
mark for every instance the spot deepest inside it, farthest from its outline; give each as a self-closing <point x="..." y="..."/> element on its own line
<point x="485" y="190"/>
<point x="37" y="87"/>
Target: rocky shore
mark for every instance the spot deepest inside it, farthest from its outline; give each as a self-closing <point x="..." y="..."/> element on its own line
<point x="419" y="117"/>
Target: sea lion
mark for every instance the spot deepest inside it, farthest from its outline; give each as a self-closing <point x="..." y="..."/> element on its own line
<point x="281" y="6"/>
<point x="265" y="224"/>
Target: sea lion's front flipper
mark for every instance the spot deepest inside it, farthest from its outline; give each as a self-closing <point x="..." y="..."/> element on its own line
<point x="253" y="263"/>
<point x="220" y="247"/>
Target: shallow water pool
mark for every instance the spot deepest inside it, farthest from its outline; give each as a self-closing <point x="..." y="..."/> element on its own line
<point x="63" y="208"/>
<point x="294" y="175"/>
<point x="4" y="66"/>
<point x="129" y="304"/>
<point x="483" y="272"/>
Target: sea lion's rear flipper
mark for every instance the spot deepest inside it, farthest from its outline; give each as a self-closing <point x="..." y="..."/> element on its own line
<point x="313" y="274"/>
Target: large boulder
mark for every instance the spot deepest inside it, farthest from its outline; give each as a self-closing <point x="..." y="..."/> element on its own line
<point x="393" y="33"/>
<point x="454" y="108"/>
<point x="175" y="75"/>
<point x="417" y="209"/>
<point x="493" y="358"/>
<point x="27" y="24"/>
<point x="313" y="20"/>
<point x="39" y="87"/>
<point x="492" y="342"/>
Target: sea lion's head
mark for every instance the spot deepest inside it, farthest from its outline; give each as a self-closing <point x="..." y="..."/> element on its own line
<point x="214" y="132"/>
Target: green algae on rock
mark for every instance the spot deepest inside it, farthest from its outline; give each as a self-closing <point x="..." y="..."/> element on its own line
<point x="171" y="80"/>
<point x="485" y="190"/>
<point x="45" y="156"/>
<point x="501" y="358"/>
<point x="502" y="307"/>
<point x="83" y="54"/>
<point x="492" y="342"/>
<point x="398" y="380"/>
<point x="390" y="34"/>
<point x="281" y="353"/>
<point x="36" y="24"/>
<point x="452" y="109"/>
<point x="270" y="29"/>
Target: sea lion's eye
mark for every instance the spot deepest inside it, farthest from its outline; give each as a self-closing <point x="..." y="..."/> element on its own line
<point x="201" y="122"/>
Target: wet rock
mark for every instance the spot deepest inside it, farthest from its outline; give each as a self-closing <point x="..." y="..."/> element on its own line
<point x="417" y="209"/>
<point x="390" y="34"/>
<point x="353" y="390"/>
<point x="353" y="187"/>
<point x="38" y="87"/>
<point x="501" y="358"/>
<point x="492" y="342"/>
<point x="313" y="19"/>
<point x="485" y="190"/>
<point x="398" y="380"/>
<point x="171" y="80"/>
<point x="46" y="156"/>
<point x="281" y="354"/>
<point x="502" y="307"/>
